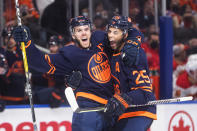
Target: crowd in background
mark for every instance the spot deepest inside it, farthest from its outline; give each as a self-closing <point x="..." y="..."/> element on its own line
<point x="51" y="30"/>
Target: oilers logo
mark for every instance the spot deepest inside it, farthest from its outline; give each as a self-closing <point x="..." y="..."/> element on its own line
<point x="99" y="68"/>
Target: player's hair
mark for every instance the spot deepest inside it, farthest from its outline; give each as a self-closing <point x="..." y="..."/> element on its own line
<point x="121" y="22"/>
<point x="79" y="21"/>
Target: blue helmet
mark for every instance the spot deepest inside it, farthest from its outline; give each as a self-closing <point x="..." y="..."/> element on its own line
<point x="56" y="40"/>
<point x="121" y="22"/>
<point x="7" y="31"/>
<point x="79" y="21"/>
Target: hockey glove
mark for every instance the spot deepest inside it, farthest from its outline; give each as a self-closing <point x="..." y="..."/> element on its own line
<point x="130" y="54"/>
<point x="74" y="79"/>
<point x="21" y="34"/>
<point x="130" y="51"/>
<point x="117" y="105"/>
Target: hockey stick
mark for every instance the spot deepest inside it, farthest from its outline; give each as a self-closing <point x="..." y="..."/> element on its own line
<point x="27" y="86"/>
<point x="73" y="103"/>
<point x="71" y="99"/>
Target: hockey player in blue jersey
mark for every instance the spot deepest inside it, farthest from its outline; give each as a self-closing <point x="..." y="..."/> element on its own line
<point x="88" y="56"/>
<point x="132" y="78"/>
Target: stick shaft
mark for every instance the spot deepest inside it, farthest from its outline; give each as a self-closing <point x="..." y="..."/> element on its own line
<point x="18" y="13"/>
<point x="28" y="86"/>
<point x="165" y="101"/>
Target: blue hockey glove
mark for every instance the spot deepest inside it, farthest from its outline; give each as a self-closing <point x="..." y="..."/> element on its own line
<point x="117" y="105"/>
<point x="130" y="51"/>
<point x="130" y="55"/>
<point x="21" y="34"/>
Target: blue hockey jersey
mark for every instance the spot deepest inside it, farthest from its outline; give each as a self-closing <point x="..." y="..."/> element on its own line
<point x="135" y="82"/>
<point x="96" y="84"/>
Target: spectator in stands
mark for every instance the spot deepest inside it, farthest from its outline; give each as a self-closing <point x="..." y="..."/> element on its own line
<point x="55" y="42"/>
<point x="3" y="79"/>
<point x="146" y="16"/>
<point x="101" y="11"/>
<point x="179" y="55"/>
<point x="174" y="11"/>
<point x="99" y="23"/>
<point x="186" y="83"/>
<point x="179" y="60"/>
<point x="10" y="11"/>
<point x="151" y="29"/>
<point x="151" y="48"/>
<point x="189" y="18"/>
<point x="14" y="92"/>
<point x="192" y="46"/>
<point x="187" y="27"/>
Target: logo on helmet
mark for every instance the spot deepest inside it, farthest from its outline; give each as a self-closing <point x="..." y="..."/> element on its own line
<point x="121" y="22"/>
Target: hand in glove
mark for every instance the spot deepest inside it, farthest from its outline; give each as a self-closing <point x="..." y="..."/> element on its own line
<point x="21" y="34"/>
<point x="130" y="54"/>
<point x="74" y="79"/>
<point x="130" y="51"/>
<point x="117" y="105"/>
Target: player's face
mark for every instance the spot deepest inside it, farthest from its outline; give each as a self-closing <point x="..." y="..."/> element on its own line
<point x="10" y="43"/>
<point x="82" y="34"/>
<point x="193" y="75"/>
<point x="53" y="49"/>
<point x="115" y="37"/>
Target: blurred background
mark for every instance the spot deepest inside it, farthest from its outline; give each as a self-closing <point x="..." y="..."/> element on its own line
<point x="169" y="27"/>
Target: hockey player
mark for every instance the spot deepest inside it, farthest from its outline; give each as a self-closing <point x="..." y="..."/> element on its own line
<point x="86" y="56"/>
<point x="132" y="78"/>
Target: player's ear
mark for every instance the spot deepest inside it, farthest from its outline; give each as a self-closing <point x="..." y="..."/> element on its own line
<point x="125" y="36"/>
<point x="73" y="36"/>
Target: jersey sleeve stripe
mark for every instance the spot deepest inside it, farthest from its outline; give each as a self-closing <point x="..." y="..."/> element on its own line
<point x="52" y="70"/>
<point x="143" y="88"/>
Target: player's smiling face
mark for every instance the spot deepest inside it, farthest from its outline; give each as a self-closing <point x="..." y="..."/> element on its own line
<point x="82" y="34"/>
<point x="115" y="36"/>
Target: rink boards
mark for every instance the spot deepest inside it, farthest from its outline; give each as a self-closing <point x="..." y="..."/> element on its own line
<point x="171" y="117"/>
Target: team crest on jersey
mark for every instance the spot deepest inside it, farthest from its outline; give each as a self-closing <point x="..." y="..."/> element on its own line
<point x="99" y="68"/>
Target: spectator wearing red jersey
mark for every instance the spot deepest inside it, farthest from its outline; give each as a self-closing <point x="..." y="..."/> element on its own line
<point x="151" y="48"/>
<point x="179" y="55"/>
<point x="186" y="83"/>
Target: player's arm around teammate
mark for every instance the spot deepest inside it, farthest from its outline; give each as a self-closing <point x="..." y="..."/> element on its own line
<point x="85" y="56"/>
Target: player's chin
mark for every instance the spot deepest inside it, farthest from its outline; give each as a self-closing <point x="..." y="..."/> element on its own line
<point x="113" y="46"/>
<point x="85" y="44"/>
